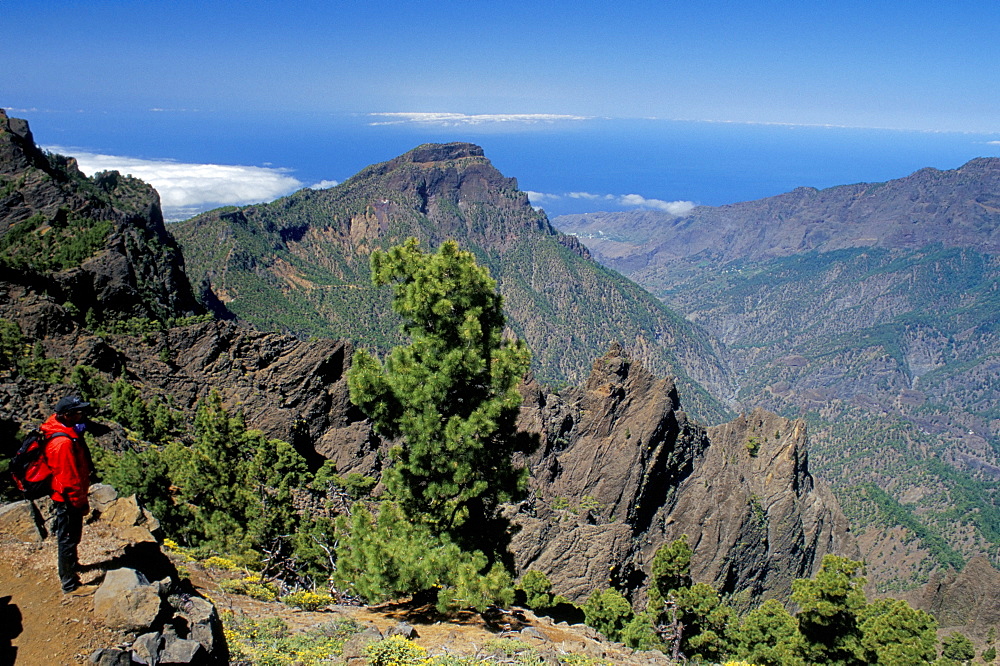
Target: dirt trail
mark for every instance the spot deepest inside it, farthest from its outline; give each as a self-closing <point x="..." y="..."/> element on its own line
<point x="39" y="625"/>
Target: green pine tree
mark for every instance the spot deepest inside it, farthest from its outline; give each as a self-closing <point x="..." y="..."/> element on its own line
<point x="769" y="636"/>
<point x="450" y="400"/>
<point x="829" y="606"/>
<point x="957" y="647"/>
<point x="895" y="634"/>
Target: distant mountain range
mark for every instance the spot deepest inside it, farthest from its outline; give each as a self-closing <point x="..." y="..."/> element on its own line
<point x="872" y="310"/>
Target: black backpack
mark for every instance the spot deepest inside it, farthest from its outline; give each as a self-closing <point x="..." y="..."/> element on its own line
<point x="31" y="472"/>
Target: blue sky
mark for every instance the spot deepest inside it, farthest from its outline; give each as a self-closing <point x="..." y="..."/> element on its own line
<point x="498" y="68"/>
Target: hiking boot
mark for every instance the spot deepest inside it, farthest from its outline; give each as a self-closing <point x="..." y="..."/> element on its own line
<point x="82" y="591"/>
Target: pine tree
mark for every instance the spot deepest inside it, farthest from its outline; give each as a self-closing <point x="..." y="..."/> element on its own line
<point x="895" y="634"/>
<point x="957" y="647"/>
<point x="829" y="606"/>
<point x="769" y="636"/>
<point x="671" y="571"/>
<point x="450" y="400"/>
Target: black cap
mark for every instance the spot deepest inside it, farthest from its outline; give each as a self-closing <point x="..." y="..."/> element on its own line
<point x="71" y="403"/>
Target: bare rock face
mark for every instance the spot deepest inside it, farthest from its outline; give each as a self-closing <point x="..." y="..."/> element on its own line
<point x="754" y="510"/>
<point x="622" y="471"/>
<point x="966" y="601"/>
<point x="291" y="389"/>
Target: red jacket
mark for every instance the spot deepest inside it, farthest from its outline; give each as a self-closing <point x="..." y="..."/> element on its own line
<point x="70" y="464"/>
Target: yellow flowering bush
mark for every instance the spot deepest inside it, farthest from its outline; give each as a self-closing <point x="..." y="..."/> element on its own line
<point x="308" y="601"/>
<point x="396" y="651"/>
<point x="270" y="643"/>
<point x="176" y="550"/>
<point x="220" y="563"/>
<point x="252" y="586"/>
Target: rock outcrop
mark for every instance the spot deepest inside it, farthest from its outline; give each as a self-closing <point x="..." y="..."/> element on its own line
<point x="622" y="470"/>
<point x="134" y="270"/>
<point x="140" y="597"/>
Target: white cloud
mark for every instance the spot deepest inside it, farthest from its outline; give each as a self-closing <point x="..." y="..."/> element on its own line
<point x="323" y="184"/>
<point x="630" y="200"/>
<point x="458" y="119"/>
<point x="993" y="143"/>
<point x="672" y="207"/>
<point x="187" y="189"/>
<point x="538" y="198"/>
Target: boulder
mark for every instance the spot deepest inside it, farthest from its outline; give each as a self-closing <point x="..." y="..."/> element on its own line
<point x="182" y="651"/>
<point x="22" y="521"/>
<point x="101" y="495"/>
<point x="201" y="618"/>
<point x="123" y="512"/>
<point x="146" y="648"/>
<point x="127" y="601"/>
<point x="402" y="629"/>
<point x="354" y="649"/>
<point x="111" y="657"/>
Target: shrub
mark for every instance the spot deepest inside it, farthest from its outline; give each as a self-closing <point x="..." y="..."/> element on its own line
<point x="220" y="563"/>
<point x="252" y="586"/>
<point x="537" y="589"/>
<point x="395" y="651"/>
<point x="608" y="612"/>
<point x="306" y="600"/>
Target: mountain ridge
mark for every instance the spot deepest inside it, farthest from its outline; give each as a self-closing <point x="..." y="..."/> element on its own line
<point x="297" y="390"/>
<point x="887" y="347"/>
<point x="739" y="486"/>
<point x="301" y="264"/>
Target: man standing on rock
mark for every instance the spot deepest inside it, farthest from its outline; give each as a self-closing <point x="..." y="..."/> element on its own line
<point x="69" y="459"/>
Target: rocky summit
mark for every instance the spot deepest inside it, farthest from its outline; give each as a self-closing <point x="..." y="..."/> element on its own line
<point x="622" y="470"/>
<point x="97" y="241"/>
<point x="301" y="264"/>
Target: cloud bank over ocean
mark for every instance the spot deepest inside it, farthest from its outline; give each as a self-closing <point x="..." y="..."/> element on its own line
<point x="463" y="119"/>
<point x="628" y="200"/>
<point x="188" y="189"/>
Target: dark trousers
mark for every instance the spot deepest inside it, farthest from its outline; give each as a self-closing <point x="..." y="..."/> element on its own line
<point x="69" y="529"/>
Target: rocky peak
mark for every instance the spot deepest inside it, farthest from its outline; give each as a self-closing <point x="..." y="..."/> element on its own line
<point x="455" y="186"/>
<point x="17" y="146"/>
<point x="123" y="262"/>
<point x="621" y="470"/>
<point x="442" y="152"/>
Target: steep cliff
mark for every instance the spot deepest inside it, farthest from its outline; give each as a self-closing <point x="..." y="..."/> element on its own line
<point x="622" y="470"/>
<point x="871" y="310"/>
<point x="99" y="243"/>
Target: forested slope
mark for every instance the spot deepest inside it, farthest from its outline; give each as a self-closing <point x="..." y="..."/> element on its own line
<point x="300" y="264"/>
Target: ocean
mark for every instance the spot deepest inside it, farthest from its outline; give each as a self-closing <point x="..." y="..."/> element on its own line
<point x="572" y="166"/>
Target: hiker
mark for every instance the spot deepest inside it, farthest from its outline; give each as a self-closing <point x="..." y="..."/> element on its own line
<point x="68" y="457"/>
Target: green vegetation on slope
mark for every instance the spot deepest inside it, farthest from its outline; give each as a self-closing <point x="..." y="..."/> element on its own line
<point x="299" y="264"/>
